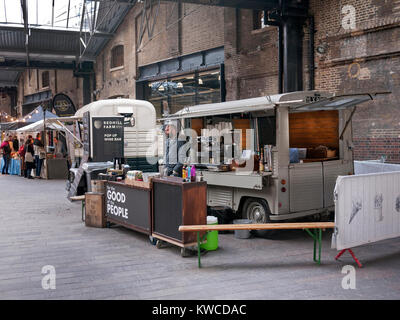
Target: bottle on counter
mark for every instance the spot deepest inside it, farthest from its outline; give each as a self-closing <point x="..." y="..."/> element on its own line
<point x="193" y="173"/>
<point x="184" y="172"/>
<point x="199" y="177"/>
<point x="188" y="173"/>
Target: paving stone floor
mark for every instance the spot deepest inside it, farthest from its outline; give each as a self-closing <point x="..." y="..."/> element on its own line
<point x="39" y="227"/>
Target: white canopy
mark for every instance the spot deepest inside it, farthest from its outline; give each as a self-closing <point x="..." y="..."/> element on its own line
<point x="38" y="126"/>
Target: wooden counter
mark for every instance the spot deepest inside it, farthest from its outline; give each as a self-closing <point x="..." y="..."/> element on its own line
<point x="129" y="206"/>
<point x="178" y="203"/>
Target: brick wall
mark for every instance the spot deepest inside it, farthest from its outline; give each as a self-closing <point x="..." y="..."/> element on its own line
<point x="175" y="32"/>
<point x="60" y="81"/>
<point x="251" y="56"/>
<point x="118" y="81"/>
<point x="5" y="103"/>
<point x="365" y="59"/>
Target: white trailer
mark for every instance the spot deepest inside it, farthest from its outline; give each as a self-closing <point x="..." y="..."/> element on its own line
<point x="288" y="190"/>
<point x="140" y="136"/>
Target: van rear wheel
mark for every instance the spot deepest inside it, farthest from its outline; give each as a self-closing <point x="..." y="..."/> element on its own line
<point x="257" y="210"/>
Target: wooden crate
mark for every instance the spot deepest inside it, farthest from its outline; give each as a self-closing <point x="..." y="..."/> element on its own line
<point x="95" y="210"/>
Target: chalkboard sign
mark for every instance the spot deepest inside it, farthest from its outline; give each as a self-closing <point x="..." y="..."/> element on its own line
<point x="107" y="138"/>
<point x="128" y="206"/>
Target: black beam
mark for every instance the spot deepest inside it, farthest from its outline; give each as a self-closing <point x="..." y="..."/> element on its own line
<point x="243" y="4"/>
<point x="21" y="65"/>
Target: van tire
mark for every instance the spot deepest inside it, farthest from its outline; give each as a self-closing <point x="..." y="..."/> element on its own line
<point x="257" y="210"/>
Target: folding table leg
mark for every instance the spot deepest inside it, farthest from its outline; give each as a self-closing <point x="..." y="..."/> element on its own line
<point x="317" y="236"/>
<point x="198" y="249"/>
<point x="352" y="254"/>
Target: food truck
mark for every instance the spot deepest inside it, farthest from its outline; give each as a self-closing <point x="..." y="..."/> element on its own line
<point x="122" y="130"/>
<point x="290" y="149"/>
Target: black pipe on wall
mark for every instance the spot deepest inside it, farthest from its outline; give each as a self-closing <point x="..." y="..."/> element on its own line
<point x="292" y="55"/>
<point x="311" y="63"/>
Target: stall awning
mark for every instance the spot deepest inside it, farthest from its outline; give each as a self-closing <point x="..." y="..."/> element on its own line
<point x="38" y="126"/>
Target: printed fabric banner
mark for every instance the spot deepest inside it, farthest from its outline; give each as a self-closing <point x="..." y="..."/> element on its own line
<point x="367" y="209"/>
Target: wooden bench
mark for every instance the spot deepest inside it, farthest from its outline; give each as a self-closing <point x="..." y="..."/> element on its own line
<point x="80" y="198"/>
<point x="316" y="232"/>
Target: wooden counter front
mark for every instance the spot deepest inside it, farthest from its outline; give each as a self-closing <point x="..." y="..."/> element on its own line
<point x="178" y="203"/>
<point x="129" y="206"/>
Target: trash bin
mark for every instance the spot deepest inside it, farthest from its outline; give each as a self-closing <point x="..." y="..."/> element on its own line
<point x="212" y="237"/>
<point x="242" y="234"/>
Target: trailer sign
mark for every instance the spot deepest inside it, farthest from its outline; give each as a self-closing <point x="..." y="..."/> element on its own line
<point x="108" y="138"/>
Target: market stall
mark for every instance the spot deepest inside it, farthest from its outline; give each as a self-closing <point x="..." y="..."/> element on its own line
<point x="55" y="165"/>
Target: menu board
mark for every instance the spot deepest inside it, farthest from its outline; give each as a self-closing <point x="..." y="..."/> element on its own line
<point x="86" y="133"/>
<point x="107" y="138"/>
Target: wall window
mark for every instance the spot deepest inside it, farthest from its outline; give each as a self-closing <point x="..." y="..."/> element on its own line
<point x="117" y="56"/>
<point x="258" y="19"/>
<point x="174" y="93"/>
<point x="45" y="79"/>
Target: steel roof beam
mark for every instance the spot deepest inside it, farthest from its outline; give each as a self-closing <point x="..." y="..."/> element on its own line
<point x="244" y="4"/>
<point x="33" y="30"/>
<point x="16" y="65"/>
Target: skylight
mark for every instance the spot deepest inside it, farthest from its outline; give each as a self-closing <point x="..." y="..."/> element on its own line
<point x="49" y="14"/>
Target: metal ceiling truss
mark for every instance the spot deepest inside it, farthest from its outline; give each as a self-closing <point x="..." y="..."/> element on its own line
<point x="95" y="23"/>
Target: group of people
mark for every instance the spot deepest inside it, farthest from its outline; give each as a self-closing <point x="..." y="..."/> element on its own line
<point x="31" y="152"/>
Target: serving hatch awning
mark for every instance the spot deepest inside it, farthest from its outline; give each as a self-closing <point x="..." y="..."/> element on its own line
<point x="230" y="107"/>
<point x="334" y="103"/>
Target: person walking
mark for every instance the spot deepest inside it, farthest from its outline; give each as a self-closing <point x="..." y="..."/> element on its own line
<point x="29" y="159"/>
<point x="6" y="149"/>
<point x="38" y="148"/>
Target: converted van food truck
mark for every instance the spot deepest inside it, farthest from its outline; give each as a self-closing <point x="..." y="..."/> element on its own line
<point x="304" y="138"/>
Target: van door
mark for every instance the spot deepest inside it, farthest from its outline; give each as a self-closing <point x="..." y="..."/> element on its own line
<point x="306" y="186"/>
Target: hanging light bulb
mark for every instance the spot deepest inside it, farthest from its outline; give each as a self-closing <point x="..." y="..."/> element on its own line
<point x="36" y="111"/>
<point x="30" y="116"/>
<point x="200" y="81"/>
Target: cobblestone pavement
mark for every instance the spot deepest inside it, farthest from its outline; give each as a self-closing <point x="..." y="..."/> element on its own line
<point x="39" y="227"/>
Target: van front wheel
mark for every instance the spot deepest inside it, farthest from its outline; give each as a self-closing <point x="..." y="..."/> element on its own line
<point x="257" y="211"/>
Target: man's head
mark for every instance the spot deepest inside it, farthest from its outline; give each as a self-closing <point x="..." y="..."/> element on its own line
<point x="38" y="136"/>
<point x="170" y="130"/>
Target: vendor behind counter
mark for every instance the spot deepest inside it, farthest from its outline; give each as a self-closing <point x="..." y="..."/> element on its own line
<point x="173" y="151"/>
